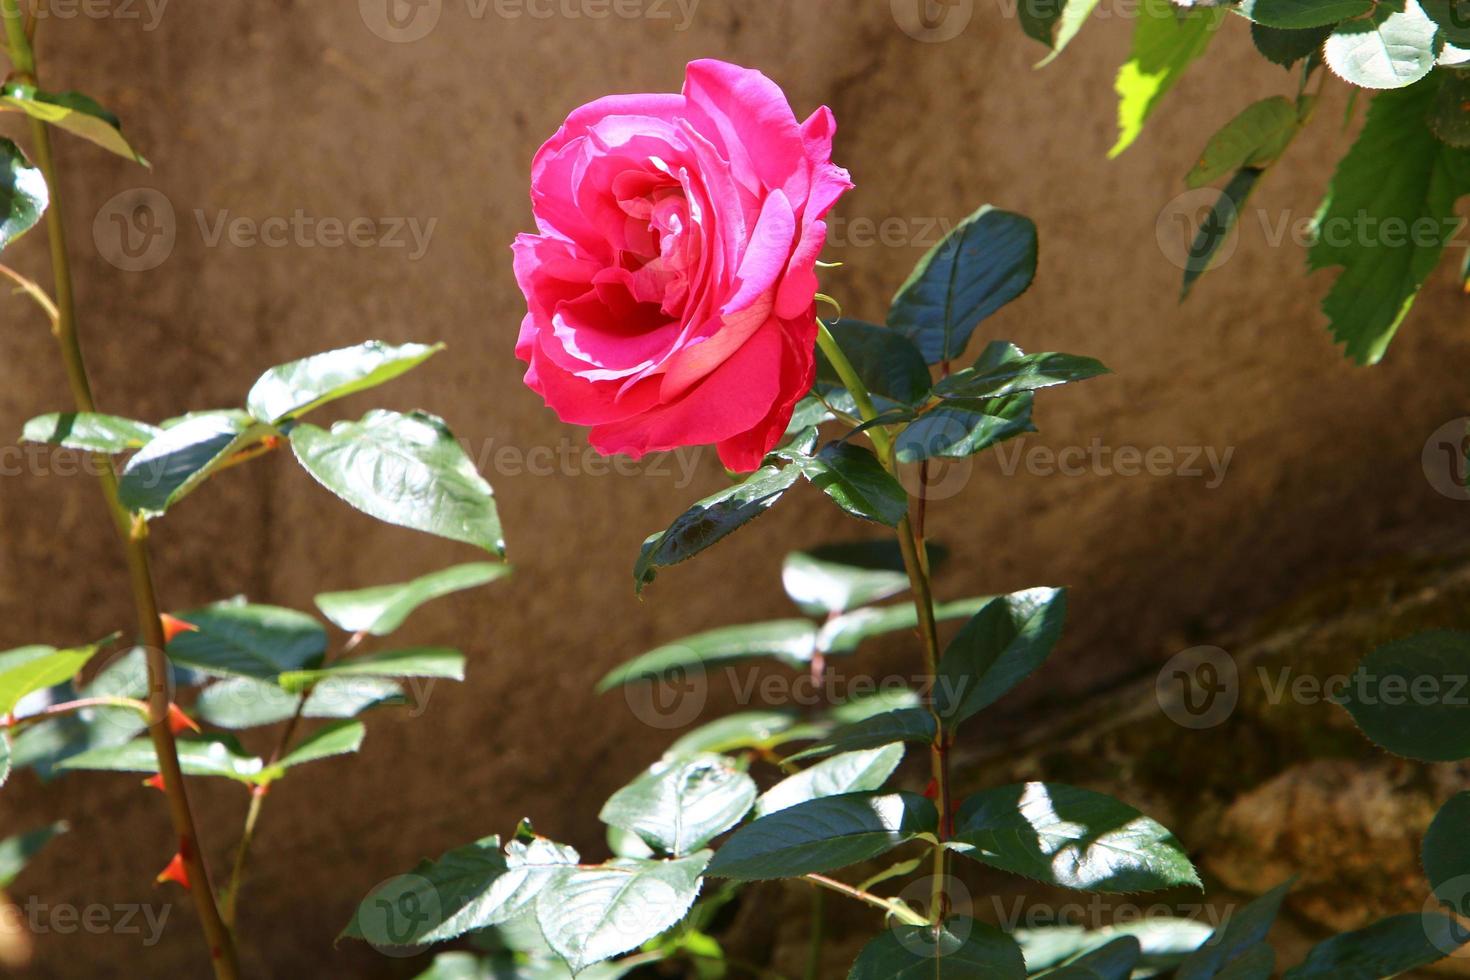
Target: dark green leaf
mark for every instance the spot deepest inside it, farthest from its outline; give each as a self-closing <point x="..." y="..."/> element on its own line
<point x="743" y="730"/>
<point x="844" y="633"/>
<point x="790" y="640"/>
<point x="1166" y="41"/>
<point x="1240" y="933"/>
<point x="1070" y="837"/>
<point x="1452" y="17"/>
<point x="838" y="577"/>
<point x="1165" y="942"/>
<point x="1286" y="48"/>
<point x="437" y="662"/>
<point x="1446" y="853"/>
<point x="216" y="755"/>
<point x="16" y="852"/>
<point x="1409" y="696"/>
<point x="29" y="669"/>
<point x="712" y="519"/>
<point x="985" y="262"/>
<point x="962" y="950"/>
<point x="1114" y="960"/>
<point x="852" y="476"/>
<point x="71" y="111"/>
<point x="997" y="649"/>
<point x="678" y="806"/>
<point x="338" y="738"/>
<point x="1392" y="48"/>
<point x="1450" y="119"/>
<point x="1296" y="14"/>
<point x="1004" y="370"/>
<point x="1385" y="949"/>
<point x="243" y="702"/>
<point x="890" y="366"/>
<point x="1215" y="230"/>
<point x="406" y="470"/>
<point x="962" y="427"/>
<point x="177" y="460"/>
<point x="382" y="609"/>
<point x="23" y="193"/>
<point x="1253" y="138"/>
<point x="850" y="772"/>
<point x="291" y="390"/>
<point x="1256" y="963"/>
<point x="823" y="835"/>
<point x="249" y="641"/>
<point x="902" y="725"/>
<point x="89" y="431"/>
<point x="1054" y="22"/>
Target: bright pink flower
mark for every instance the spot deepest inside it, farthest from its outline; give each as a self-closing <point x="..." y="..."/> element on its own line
<point x="670" y="288"/>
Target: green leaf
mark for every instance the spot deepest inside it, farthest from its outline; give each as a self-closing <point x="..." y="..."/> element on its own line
<point x="1396" y="171"/>
<point x="1452" y="17"/>
<point x="1286" y="48"/>
<point x="1393" y="48"/>
<point x="850" y="772"/>
<point x="1214" y="231"/>
<point x="382" y="609"/>
<point x="961" y="427"/>
<point x="1385" y="949"/>
<point x="1166" y="41"/>
<point x="835" y="578"/>
<point x="852" y="476"/>
<point x="29" y="669"/>
<point x="997" y="649"/>
<point x="215" y="755"/>
<point x="1446" y="852"/>
<point x="963" y="948"/>
<point x="902" y="725"/>
<point x="1254" y="138"/>
<point x="1296" y="14"/>
<point x="244" y="702"/>
<point x="1054" y="22"/>
<point x="890" y="366"/>
<point x="337" y="738"/>
<point x="791" y="641"/>
<point x="72" y="111"/>
<point x="986" y="261"/>
<point x="1113" y="960"/>
<point x="16" y="852"/>
<point x="844" y="633"/>
<point x="712" y="519"/>
<point x="437" y="662"/>
<point x="291" y="390"/>
<point x="678" y="806"/>
<point x="1409" y="696"/>
<point x="1239" y="935"/>
<point x="4" y="758"/>
<point x="1072" y="838"/>
<point x="1165" y="942"/>
<point x="742" y="730"/>
<point x="89" y="431"/>
<point x="406" y="470"/>
<point x="1004" y="370"/>
<point x="24" y="195"/>
<point x="1256" y="963"/>
<point x="592" y="914"/>
<point x="249" y="641"/>
<point x="1450" y="119"/>
<point x="177" y="460"/>
<point x="823" y="835"/>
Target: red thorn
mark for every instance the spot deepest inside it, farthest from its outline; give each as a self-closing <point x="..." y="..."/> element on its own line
<point x="173" y="626"/>
<point x="932" y="790"/>
<point x="155" y="782"/>
<point x="176" y="872"/>
<point x="178" y="722"/>
<point x="271" y="442"/>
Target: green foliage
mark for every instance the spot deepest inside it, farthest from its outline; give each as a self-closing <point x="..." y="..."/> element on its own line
<point x="1393" y="47"/>
<point x="1407" y="696"/>
<point x="901" y="725"/>
<point x="74" y="112"/>
<point x="438" y="662"/>
<point x="961" y="948"/>
<point x="998" y="648"/>
<point x="964" y="427"/>
<point x="1240" y="940"/>
<point x="1003" y="369"/>
<point x="249" y="641"/>
<point x="854" y="478"/>
<point x="30" y="669"/>
<point x="1446" y="852"/>
<point x="1113" y="960"/>
<point x="291" y="390"/>
<point x="90" y="431"/>
<point x="1166" y="41"/>
<point x="849" y="772"/>
<point x="886" y="360"/>
<point x="679" y="806"/>
<point x="837" y="578"/>
<point x="383" y="608"/>
<point x="1386" y="948"/>
<point x="23" y="194"/>
<point x="179" y="459"/>
<point x="1255" y="138"/>
<point x="16" y="852"/>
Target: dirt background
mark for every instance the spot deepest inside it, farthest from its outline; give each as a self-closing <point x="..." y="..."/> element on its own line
<point x="261" y="108"/>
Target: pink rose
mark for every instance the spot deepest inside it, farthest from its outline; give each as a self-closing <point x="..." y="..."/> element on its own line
<point x="670" y="288"/>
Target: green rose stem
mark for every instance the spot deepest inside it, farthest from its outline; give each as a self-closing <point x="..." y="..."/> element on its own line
<point x="916" y="564"/>
<point x="132" y="529"/>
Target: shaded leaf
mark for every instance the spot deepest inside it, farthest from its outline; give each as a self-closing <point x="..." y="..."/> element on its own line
<point x="1003" y="369"/>
<point x="1240" y="934"/>
<point x="962" y="949"/>
<point x="844" y="633"/>
<point x="1215" y="230"/>
<point x="852" y="476"/>
<point x="177" y="460"/>
<point x="249" y="641"/>
<point x="24" y="195"/>
<point x="1113" y="960"/>
<point x="998" y="648"/>
<point x="89" y="431"/>
<point x="1296" y="14"/>
<point x="243" y="702"/>
<point x="1386" y="948"/>
<point x="902" y="725"/>
<point x="337" y="738"/>
<point x="1253" y="138"/>
<point x="890" y="366"/>
<point x="963" y="427"/>
<point x="1287" y="47"/>
<point x="16" y="852"/>
<point x="216" y="755"/>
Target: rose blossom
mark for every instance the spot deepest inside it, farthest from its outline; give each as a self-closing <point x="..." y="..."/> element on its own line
<point x="671" y="285"/>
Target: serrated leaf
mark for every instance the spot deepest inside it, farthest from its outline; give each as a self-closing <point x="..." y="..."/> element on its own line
<point x="962" y="949"/>
<point x="1071" y="838"/>
<point x="16" y="852"/>
<point x="26" y="670"/>
<point x="1239" y="935"/>
<point x="1385" y="949"/>
<point x="180" y="458"/>
<point x="24" y="195"/>
<point x="243" y="702"/>
<point x="712" y="519"/>
<point x="1253" y="138"/>
<point x="1113" y="960"/>
<point x="1215" y="230"/>
<point x="1396" y="171"/>
<point x="1003" y="369"/>
<point x="986" y="261"/>
<point x="1297" y="14"/>
<point x="849" y="772"/>
<point x="89" y="431"/>
<point x="791" y="641"/>
<point x="74" y="112"/>
<point x="291" y="390"/>
<point x="593" y="914"/>
<point x="836" y="578"/>
<point x="435" y="662"/>
<point x="964" y="427"/>
<point x="998" y="648"/>
<point x="1446" y="852"/>
<point x="249" y="641"/>
<point x="890" y="366"/>
<point x="1166" y="41"/>
<point x="216" y="755"/>
<point x="1287" y="47"/>
<point x="406" y="470"/>
<point x="902" y="725"/>
<point x="1408" y="696"/>
<point x="1392" y="48"/>
<point x="857" y="482"/>
<point x="678" y="806"/>
<point x="381" y="609"/>
<point x="823" y="835"/>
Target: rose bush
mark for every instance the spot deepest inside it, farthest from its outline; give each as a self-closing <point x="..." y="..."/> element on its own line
<point x="671" y="285"/>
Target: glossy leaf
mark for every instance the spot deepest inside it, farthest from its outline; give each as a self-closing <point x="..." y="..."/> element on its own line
<point x="998" y="648"/>
<point x="986" y="261"/>
<point x="291" y="390"/>
<point x="902" y="725"/>
<point x="24" y="195"/>
<point x="249" y="641"/>
<point x="888" y="363"/>
<point x="177" y="460"/>
<point x="244" y="702"/>
<point x="1166" y="41"/>
<point x="678" y="806"/>
<point x="89" y="431"/>
<point x="16" y="852"/>
<point x="852" y="476"/>
<point x="1386" y="948"/>
<point x="1393" y="48"/>
<point x="26" y="670"/>
<point x="964" y="427"/>
<point x="1253" y="138"/>
<point x="1072" y="838"/>
<point x="436" y="662"/>
<point x="710" y="520"/>
<point x="338" y="738"/>
<point x="406" y="470"/>
<point x="216" y="755"/>
<point x="1296" y="14"/>
<point x="963" y="948"/>
<point x="72" y="111"/>
<point x="791" y="641"/>
<point x="1003" y="369"/>
<point x="849" y="772"/>
<point x="383" y="608"/>
<point x="823" y="835"/>
<point x="1240" y="934"/>
<point x="836" y="578"/>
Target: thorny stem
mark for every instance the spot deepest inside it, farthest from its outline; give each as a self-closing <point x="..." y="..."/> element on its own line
<point x="132" y="529"/>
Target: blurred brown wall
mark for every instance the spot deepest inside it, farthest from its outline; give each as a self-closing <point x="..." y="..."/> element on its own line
<point x="262" y="108"/>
